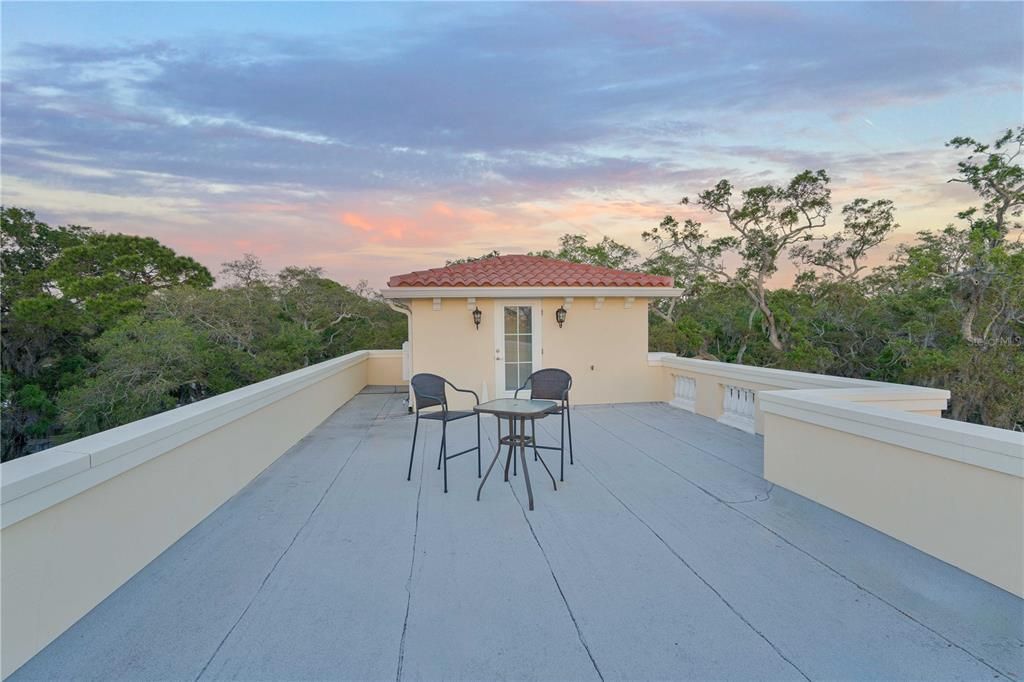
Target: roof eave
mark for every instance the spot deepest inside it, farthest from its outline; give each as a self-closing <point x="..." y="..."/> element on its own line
<point x="529" y="292"/>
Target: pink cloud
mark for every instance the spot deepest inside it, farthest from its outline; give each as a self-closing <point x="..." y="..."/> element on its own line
<point x="428" y="225"/>
<point x="357" y="221"/>
<point x="377" y="234"/>
<point x="442" y="208"/>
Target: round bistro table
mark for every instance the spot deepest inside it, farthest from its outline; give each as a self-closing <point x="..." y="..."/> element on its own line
<point x="516" y="410"/>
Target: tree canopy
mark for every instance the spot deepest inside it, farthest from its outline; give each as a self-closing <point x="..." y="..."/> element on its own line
<point x="947" y="310"/>
<point x="100" y="329"/>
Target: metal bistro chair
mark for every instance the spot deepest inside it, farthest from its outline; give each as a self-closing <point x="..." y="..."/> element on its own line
<point x="552" y="384"/>
<point x="429" y="391"/>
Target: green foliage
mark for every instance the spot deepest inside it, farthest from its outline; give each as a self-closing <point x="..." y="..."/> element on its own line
<point x="102" y="329"/>
<point x="188" y="343"/>
<point x="99" y="329"/>
<point x="607" y="253"/>
<point x="143" y="367"/>
<point x="472" y="259"/>
<point x="866" y="224"/>
<point x="765" y="223"/>
<point x="576" y="248"/>
<point x="947" y="312"/>
<point x="109" y="275"/>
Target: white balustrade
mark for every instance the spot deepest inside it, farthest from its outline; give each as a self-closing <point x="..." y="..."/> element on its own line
<point x="738" y="408"/>
<point x="684" y="394"/>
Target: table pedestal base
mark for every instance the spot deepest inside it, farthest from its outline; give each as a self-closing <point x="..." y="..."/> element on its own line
<point x="512" y="440"/>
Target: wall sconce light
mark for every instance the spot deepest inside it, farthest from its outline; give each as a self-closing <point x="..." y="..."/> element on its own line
<point x="476" y="317"/>
<point x="560" y="316"/>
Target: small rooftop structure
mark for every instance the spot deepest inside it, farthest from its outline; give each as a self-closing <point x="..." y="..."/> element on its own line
<point x="489" y="323"/>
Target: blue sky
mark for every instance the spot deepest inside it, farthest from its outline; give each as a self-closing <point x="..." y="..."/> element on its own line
<point x="372" y="139"/>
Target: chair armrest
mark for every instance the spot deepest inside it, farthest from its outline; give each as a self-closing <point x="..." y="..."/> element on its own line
<point x="521" y="388"/>
<point x="466" y="390"/>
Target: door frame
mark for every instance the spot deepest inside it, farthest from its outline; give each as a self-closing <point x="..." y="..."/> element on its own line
<point x="499" y="339"/>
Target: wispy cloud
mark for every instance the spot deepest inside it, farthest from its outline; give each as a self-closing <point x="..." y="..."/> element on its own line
<point x="380" y="136"/>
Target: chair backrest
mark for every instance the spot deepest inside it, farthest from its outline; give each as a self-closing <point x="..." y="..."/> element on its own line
<point x="549" y="384"/>
<point x="429" y="390"/>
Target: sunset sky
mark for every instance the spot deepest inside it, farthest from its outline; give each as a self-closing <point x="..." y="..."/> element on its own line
<point x="376" y="139"/>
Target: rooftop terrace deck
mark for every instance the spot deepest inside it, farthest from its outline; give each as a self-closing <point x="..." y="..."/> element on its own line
<point x="663" y="555"/>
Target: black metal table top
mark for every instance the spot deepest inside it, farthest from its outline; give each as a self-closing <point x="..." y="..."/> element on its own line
<point x="516" y="407"/>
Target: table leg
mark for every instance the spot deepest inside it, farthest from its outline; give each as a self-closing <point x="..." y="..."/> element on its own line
<point x="512" y="453"/>
<point x="497" y="454"/>
<point x="522" y="459"/>
<point x="511" y="445"/>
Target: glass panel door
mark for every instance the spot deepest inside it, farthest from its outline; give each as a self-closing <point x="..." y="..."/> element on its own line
<point x="518" y="345"/>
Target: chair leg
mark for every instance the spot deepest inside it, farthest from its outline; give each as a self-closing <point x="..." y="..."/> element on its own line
<point x="568" y="418"/>
<point x="533" y="434"/>
<point x="561" y="450"/>
<point x="478" y="469"/>
<point x="412" y="452"/>
<point x="440" y="450"/>
<point x="444" y="452"/>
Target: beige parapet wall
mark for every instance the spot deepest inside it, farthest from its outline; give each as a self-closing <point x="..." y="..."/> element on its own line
<point x="951" y="489"/>
<point x="384" y="368"/>
<point x="80" y="519"/>
<point x="879" y="453"/>
<point x="713" y="378"/>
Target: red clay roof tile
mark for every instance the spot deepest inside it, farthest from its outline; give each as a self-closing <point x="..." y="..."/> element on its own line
<point x="527" y="271"/>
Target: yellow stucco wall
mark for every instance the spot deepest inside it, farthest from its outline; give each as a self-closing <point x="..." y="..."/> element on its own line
<point x="384" y="368"/>
<point x="969" y="516"/>
<point x="604" y="349"/>
<point x="61" y="562"/>
<point x="711" y="390"/>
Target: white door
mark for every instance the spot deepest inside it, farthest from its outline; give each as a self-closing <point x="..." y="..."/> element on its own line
<point x="517" y="349"/>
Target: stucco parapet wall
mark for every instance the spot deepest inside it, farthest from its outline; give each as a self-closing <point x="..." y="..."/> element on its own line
<point x="983" y="446"/>
<point x="784" y="378"/>
<point x="390" y="353"/>
<point x="31" y="484"/>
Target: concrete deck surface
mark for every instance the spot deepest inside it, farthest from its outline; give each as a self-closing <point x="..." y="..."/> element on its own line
<point x="664" y="555"/>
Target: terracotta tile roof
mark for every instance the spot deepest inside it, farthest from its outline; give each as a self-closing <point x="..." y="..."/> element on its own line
<point x="526" y="271"/>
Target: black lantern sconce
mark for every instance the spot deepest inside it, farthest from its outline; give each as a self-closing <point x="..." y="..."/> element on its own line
<point x="477" y="315"/>
<point x="560" y="316"/>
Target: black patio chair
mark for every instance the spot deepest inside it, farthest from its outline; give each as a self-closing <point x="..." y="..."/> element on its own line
<point x="552" y="384"/>
<point x="429" y="391"/>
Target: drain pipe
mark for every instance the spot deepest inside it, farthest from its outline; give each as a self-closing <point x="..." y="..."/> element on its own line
<point x="400" y="307"/>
